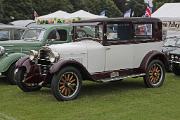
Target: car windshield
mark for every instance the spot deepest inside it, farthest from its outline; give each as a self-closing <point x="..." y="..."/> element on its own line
<point x="93" y="31"/>
<point x="33" y="34"/>
<point x="172" y="42"/>
<point x="4" y="35"/>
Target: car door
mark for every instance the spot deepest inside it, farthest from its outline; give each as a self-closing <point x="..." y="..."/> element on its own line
<point x="119" y="49"/>
<point x="144" y="41"/>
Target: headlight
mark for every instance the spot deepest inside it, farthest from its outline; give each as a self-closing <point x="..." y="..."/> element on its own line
<point x="2" y="50"/>
<point x="53" y="56"/>
<point x="172" y="56"/>
<point x="33" y="54"/>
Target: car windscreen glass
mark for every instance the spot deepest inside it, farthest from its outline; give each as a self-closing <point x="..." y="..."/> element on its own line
<point x="172" y="42"/>
<point x="33" y="34"/>
<point x="4" y="35"/>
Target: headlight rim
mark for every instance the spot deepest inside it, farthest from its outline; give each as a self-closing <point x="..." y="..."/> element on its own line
<point x="33" y="54"/>
<point x="2" y="50"/>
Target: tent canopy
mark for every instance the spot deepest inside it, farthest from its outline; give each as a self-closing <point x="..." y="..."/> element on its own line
<point x="64" y="15"/>
<point x="168" y="12"/>
<point x="84" y="15"/>
<point x="58" y="14"/>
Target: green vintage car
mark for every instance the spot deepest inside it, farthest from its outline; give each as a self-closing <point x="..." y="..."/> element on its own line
<point x="33" y="39"/>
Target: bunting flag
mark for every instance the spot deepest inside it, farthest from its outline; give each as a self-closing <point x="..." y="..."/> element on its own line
<point x="149" y="3"/>
<point x="148" y="12"/>
<point x="35" y="14"/>
<point x="127" y="13"/>
<point x="103" y="13"/>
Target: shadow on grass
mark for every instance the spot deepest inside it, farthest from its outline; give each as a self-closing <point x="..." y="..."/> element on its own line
<point x="91" y="88"/>
<point x="3" y="81"/>
<point x="109" y="87"/>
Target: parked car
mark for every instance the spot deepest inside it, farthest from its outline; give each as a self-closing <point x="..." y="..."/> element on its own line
<point x="11" y="32"/>
<point x="33" y="38"/>
<point x="170" y="44"/>
<point x="174" y="59"/>
<point x="120" y="48"/>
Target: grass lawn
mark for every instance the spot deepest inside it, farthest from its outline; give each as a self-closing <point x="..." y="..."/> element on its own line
<point x="125" y="100"/>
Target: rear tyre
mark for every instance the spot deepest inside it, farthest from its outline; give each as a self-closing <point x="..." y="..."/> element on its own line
<point x="176" y="69"/>
<point x="21" y="78"/>
<point x="155" y="74"/>
<point x="66" y="84"/>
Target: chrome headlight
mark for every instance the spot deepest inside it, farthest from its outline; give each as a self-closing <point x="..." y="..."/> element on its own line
<point x="33" y="54"/>
<point x="2" y="50"/>
<point x="53" y="56"/>
<point x="172" y="56"/>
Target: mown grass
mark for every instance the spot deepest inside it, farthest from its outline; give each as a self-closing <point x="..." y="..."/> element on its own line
<point x="125" y="100"/>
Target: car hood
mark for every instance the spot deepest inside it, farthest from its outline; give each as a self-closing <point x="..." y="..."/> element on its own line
<point x="12" y="42"/>
<point x="176" y="52"/>
<point x="80" y="47"/>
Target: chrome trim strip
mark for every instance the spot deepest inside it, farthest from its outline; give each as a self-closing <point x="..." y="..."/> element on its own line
<point x="174" y="61"/>
<point x="119" y="78"/>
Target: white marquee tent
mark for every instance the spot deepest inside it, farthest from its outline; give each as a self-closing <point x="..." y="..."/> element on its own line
<point x="169" y="14"/>
<point x="64" y="15"/>
<point x="84" y="15"/>
<point x="58" y="15"/>
<point x="169" y="11"/>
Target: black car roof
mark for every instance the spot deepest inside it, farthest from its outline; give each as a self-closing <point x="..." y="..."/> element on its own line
<point x="121" y="19"/>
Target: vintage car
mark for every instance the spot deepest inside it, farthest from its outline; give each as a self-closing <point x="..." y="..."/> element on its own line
<point x="174" y="59"/>
<point x="33" y="38"/>
<point x="11" y="32"/>
<point x="119" y="48"/>
<point x="170" y="44"/>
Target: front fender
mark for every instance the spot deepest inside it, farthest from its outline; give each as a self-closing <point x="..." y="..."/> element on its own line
<point x="7" y="60"/>
<point x="153" y="55"/>
<point x="63" y="63"/>
<point x="24" y="62"/>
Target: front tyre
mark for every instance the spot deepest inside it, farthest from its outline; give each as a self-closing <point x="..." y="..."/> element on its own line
<point x="11" y="74"/>
<point x="66" y="84"/>
<point x="176" y="69"/>
<point x="155" y="74"/>
<point x="21" y="77"/>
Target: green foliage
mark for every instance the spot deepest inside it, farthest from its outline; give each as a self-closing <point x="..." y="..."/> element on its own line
<point x="23" y="9"/>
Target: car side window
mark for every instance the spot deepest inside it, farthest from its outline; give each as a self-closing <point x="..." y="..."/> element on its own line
<point x="58" y="35"/>
<point x="18" y="33"/>
<point x="143" y="31"/>
<point x="62" y="35"/>
<point x="119" y="32"/>
<point x="4" y="34"/>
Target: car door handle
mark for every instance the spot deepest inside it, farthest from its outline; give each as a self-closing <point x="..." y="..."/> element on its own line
<point x="107" y="48"/>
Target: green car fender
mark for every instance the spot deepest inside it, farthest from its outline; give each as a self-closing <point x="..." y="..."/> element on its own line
<point x="7" y="60"/>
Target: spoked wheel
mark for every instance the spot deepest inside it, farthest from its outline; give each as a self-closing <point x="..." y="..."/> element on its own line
<point x="155" y="74"/>
<point x="66" y="84"/>
<point x="21" y="77"/>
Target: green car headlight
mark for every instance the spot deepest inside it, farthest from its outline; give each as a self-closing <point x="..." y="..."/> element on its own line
<point x="33" y="54"/>
<point x="2" y="50"/>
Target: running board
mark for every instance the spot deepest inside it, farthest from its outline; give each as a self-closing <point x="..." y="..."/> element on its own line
<point x="120" y="78"/>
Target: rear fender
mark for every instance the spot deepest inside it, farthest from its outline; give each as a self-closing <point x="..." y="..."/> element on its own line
<point x="7" y="60"/>
<point x="151" y="56"/>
